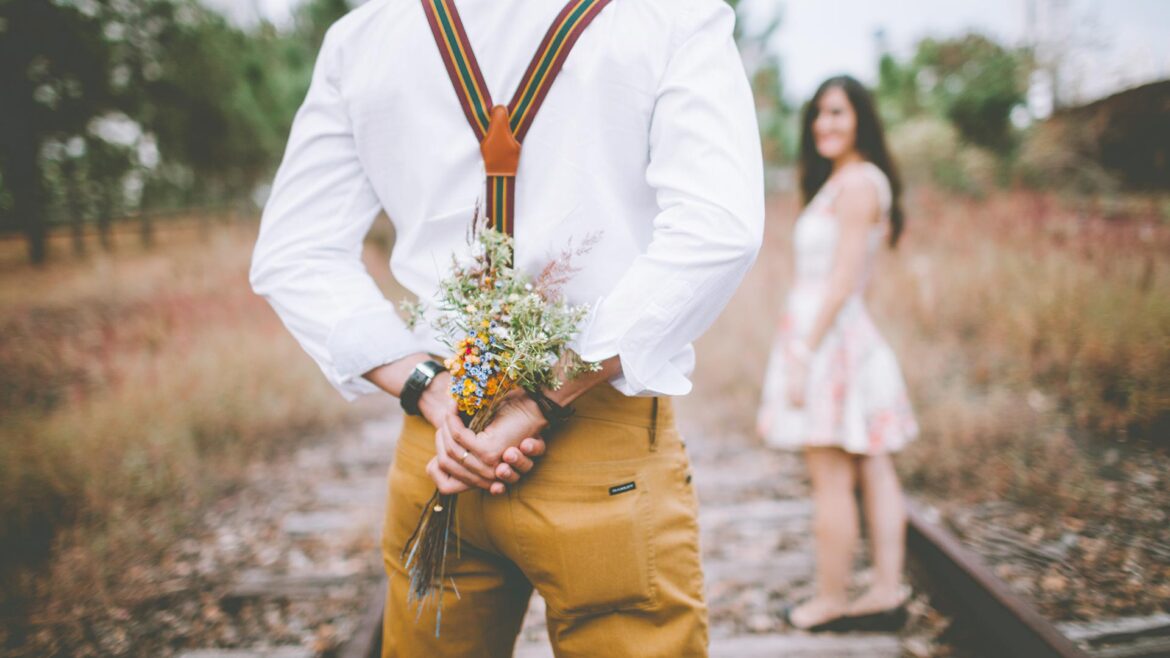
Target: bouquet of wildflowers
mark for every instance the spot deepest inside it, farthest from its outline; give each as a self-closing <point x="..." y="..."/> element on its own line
<point x="507" y="332"/>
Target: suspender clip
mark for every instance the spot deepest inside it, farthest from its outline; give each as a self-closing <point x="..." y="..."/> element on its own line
<point x="501" y="151"/>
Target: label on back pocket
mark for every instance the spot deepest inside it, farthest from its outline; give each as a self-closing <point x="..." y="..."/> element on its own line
<point x="622" y="488"/>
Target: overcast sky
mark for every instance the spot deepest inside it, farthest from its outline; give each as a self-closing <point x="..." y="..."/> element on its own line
<point x="1113" y="44"/>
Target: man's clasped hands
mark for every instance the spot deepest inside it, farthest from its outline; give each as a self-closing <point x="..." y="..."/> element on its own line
<point x="492" y="459"/>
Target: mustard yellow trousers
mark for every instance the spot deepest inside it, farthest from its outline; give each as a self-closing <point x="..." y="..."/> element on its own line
<point x="605" y="527"/>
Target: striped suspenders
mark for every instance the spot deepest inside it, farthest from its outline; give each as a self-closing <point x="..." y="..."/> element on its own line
<point x="500" y="129"/>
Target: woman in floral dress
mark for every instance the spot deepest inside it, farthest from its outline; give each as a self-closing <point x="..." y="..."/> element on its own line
<point x="833" y="387"/>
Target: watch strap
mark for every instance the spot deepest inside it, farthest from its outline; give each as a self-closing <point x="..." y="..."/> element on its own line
<point x="421" y="377"/>
<point x="555" y="414"/>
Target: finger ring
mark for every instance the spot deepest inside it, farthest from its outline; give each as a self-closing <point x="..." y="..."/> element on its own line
<point x="464" y="457"/>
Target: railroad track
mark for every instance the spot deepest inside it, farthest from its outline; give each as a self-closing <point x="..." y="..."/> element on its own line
<point x="1008" y="624"/>
<point x="1004" y="623"/>
<point x="987" y="604"/>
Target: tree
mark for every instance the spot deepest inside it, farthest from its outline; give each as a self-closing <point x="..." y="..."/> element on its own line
<point x="773" y="112"/>
<point x="215" y="104"/>
<point x="897" y="90"/>
<point x="55" y="79"/>
<point x="974" y="82"/>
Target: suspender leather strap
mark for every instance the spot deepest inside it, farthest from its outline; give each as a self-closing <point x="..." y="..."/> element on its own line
<point x="500" y="129"/>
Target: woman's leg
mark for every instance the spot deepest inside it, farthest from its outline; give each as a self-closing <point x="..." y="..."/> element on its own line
<point x="885" y="514"/>
<point x="835" y="530"/>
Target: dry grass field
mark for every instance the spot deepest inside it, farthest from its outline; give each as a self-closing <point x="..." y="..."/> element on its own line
<point x="138" y="387"/>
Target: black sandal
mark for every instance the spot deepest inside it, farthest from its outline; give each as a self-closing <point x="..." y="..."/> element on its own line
<point x="839" y="624"/>
<point x="882" y="621"/>
<point x="889" y="620"/>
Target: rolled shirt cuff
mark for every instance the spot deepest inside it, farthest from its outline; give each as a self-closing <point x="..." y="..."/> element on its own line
<point x="365" y="341"/>
<point x="646" y="369"/>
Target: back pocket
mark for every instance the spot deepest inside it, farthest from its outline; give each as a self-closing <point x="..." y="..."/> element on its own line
<point x="585" y="541"/>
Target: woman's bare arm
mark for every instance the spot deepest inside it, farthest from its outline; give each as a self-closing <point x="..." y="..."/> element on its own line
<point x="857" y="209"/>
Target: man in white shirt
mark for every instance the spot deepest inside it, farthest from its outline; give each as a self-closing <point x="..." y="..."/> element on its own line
<point x="647" y="141"/>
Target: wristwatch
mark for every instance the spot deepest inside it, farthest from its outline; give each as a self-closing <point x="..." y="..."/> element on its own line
<point x="555" y="414"/>
<point x="421" y="377"/>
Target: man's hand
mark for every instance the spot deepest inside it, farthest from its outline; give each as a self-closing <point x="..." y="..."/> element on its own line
<point x="503" y="451"/>
<point x="436" y="403"/>
<point x="457" y="465"/>
<point x="438" y="407"/>
<point x="517" y="461"/>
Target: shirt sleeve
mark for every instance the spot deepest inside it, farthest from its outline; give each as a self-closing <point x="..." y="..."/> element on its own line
<point x="307" y="260"/>
<point x="707" y="172"/>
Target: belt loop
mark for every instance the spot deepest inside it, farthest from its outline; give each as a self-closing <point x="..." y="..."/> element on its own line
<point x="654" y="424"/>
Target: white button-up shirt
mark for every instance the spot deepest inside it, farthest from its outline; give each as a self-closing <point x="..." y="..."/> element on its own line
<point x="647" y="140"/>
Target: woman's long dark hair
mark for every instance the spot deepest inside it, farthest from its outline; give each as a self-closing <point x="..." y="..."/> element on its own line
<point x="871" y="144"/>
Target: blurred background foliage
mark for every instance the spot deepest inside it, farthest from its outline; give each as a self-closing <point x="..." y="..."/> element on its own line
<point x="115" y="107"/>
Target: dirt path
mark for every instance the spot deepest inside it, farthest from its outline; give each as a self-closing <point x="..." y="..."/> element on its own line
<point x="301" y="545"/>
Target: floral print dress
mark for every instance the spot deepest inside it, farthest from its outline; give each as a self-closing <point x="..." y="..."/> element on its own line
<point x="856" y="397"/>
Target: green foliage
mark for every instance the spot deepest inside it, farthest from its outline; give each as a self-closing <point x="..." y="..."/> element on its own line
<point x="313" y="19"/>
<point x="948" y="110"/>
<point x="212" y="102"/>
<point x="897" y="90"/>
<point x="776" y="116"/>
<point x="54" y="79"/>
<point x="778" y="131"/>
<point x="974" y="82"/>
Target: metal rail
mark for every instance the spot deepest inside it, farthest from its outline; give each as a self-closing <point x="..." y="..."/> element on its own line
<point x="1006" y="618"/>
<point x="366" y="641"/>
